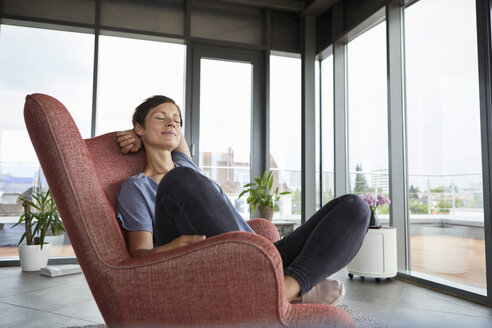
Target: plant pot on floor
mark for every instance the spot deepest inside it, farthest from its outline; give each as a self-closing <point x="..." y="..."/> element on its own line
<point x="266" y="212"/>
<point x="33" y="258"/>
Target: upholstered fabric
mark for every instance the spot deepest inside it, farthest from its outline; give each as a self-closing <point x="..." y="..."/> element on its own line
<point x="265" y="228"/>
<point x="232" y="280"/>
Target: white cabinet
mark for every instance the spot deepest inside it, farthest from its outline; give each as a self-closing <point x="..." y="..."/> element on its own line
<point x="377" y="256"/>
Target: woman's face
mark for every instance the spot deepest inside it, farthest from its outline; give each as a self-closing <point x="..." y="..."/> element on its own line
<point x="162" y="128"/>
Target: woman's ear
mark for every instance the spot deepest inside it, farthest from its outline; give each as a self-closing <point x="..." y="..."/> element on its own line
<point x="138" y="129"/>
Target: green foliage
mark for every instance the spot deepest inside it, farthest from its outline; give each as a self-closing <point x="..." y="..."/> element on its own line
<point x="384" y="209"/>
<point x="40" y="215"/>
<point x="413" y="192"/>
<point x="296" y="202"/>
<point x="326" y="197"/>
<point x="444" y="205"/>
<point x="476" y="201"/>
<point x="260" y="192"/>
<point x="360" y="185"/>
<point x="438" y="190"/>
<point x="418" y="208"/>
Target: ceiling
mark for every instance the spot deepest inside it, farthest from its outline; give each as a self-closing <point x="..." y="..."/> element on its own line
<point x="308" y="7"/>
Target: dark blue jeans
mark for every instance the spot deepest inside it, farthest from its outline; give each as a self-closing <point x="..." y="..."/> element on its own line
<point x="188" y="203"/>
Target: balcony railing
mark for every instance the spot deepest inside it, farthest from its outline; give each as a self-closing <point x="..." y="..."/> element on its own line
<point x="450" y="198"/>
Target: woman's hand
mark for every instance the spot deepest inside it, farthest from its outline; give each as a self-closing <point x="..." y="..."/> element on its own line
<point x="129" y="141"/>
<point x="141" y="243"/>
<point x="181" y="241"/>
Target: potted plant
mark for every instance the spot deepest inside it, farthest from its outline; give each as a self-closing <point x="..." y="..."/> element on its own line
<point x="40" y="216"/>
<point x="374" y="203"/>
<point x="261" y="196"/>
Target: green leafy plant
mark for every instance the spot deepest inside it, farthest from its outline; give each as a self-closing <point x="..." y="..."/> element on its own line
<point x="260" y="192"/>
<point x="40" y="215"/>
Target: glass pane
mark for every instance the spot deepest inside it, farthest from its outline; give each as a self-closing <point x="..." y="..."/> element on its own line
<point x="285" y="134"/>
<point x="132" y="70"/>
<point x="61" y="66"/>
<point x="225" y="125"/>
<point x="444" y="146"/>
<point x="328" y="146"/>
<point x="367" y="115"/>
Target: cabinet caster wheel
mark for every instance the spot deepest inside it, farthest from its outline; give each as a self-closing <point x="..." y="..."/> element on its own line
<point x="378" y="280"/>
<point x="350" y="275"/>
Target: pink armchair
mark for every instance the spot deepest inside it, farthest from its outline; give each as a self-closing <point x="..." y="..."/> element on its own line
<point x="232" y="280"/>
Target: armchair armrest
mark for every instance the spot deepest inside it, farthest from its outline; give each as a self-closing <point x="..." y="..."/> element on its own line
<point x="200" y="283"/>
<point x="264" y="228"/>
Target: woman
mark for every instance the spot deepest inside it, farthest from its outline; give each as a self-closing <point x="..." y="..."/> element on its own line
<point x="171" y="204"/>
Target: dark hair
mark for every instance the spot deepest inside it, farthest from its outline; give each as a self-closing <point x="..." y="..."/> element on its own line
<point x="143" y="109"/>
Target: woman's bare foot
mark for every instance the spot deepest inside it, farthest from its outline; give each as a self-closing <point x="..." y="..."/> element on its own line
<point x="292" y="288"/>
<point x="327" y="291"/>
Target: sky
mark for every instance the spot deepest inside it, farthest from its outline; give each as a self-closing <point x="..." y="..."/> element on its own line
<point x="225" y="107"/>
<point x="35" y="59"/>
<point x="129" y="71"/>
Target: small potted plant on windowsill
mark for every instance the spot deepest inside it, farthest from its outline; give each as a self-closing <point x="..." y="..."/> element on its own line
<point x="40" y="217"/>
<point x="261" y="195"/>
<point x="374" y="203"/>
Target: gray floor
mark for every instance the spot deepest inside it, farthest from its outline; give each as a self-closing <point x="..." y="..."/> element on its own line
<point x="31" y="300"/>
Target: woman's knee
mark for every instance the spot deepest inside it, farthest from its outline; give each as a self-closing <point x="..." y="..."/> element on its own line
<point x="177" y="179"/>
<point x="361" y="210"/>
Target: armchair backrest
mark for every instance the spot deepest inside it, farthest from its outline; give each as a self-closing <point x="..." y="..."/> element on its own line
<point x="84" y="177"/>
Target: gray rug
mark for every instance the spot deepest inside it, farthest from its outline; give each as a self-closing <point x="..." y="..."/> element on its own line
<point x="362" y="320"/>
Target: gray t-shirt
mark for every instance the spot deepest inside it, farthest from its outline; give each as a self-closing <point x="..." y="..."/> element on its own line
<point x="136" y="199"/>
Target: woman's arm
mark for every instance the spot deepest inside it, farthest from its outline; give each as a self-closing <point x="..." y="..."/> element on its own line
<point x="183" y="147"/>
<point x="140" y="243"/>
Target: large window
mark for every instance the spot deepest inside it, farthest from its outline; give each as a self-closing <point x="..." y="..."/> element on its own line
<point x="285" y="134"/>
<point x="367" y="114"/>
<point x="226" y="95"/>
<point x="132" y="70"/>
<point x="327" y="131"/>
<point x="34" y="60"/>
<point x="444" y="148"/>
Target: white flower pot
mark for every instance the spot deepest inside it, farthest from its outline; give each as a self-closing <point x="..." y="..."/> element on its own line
<point x="266" y="212"/>
<point x="33" y="258"/>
